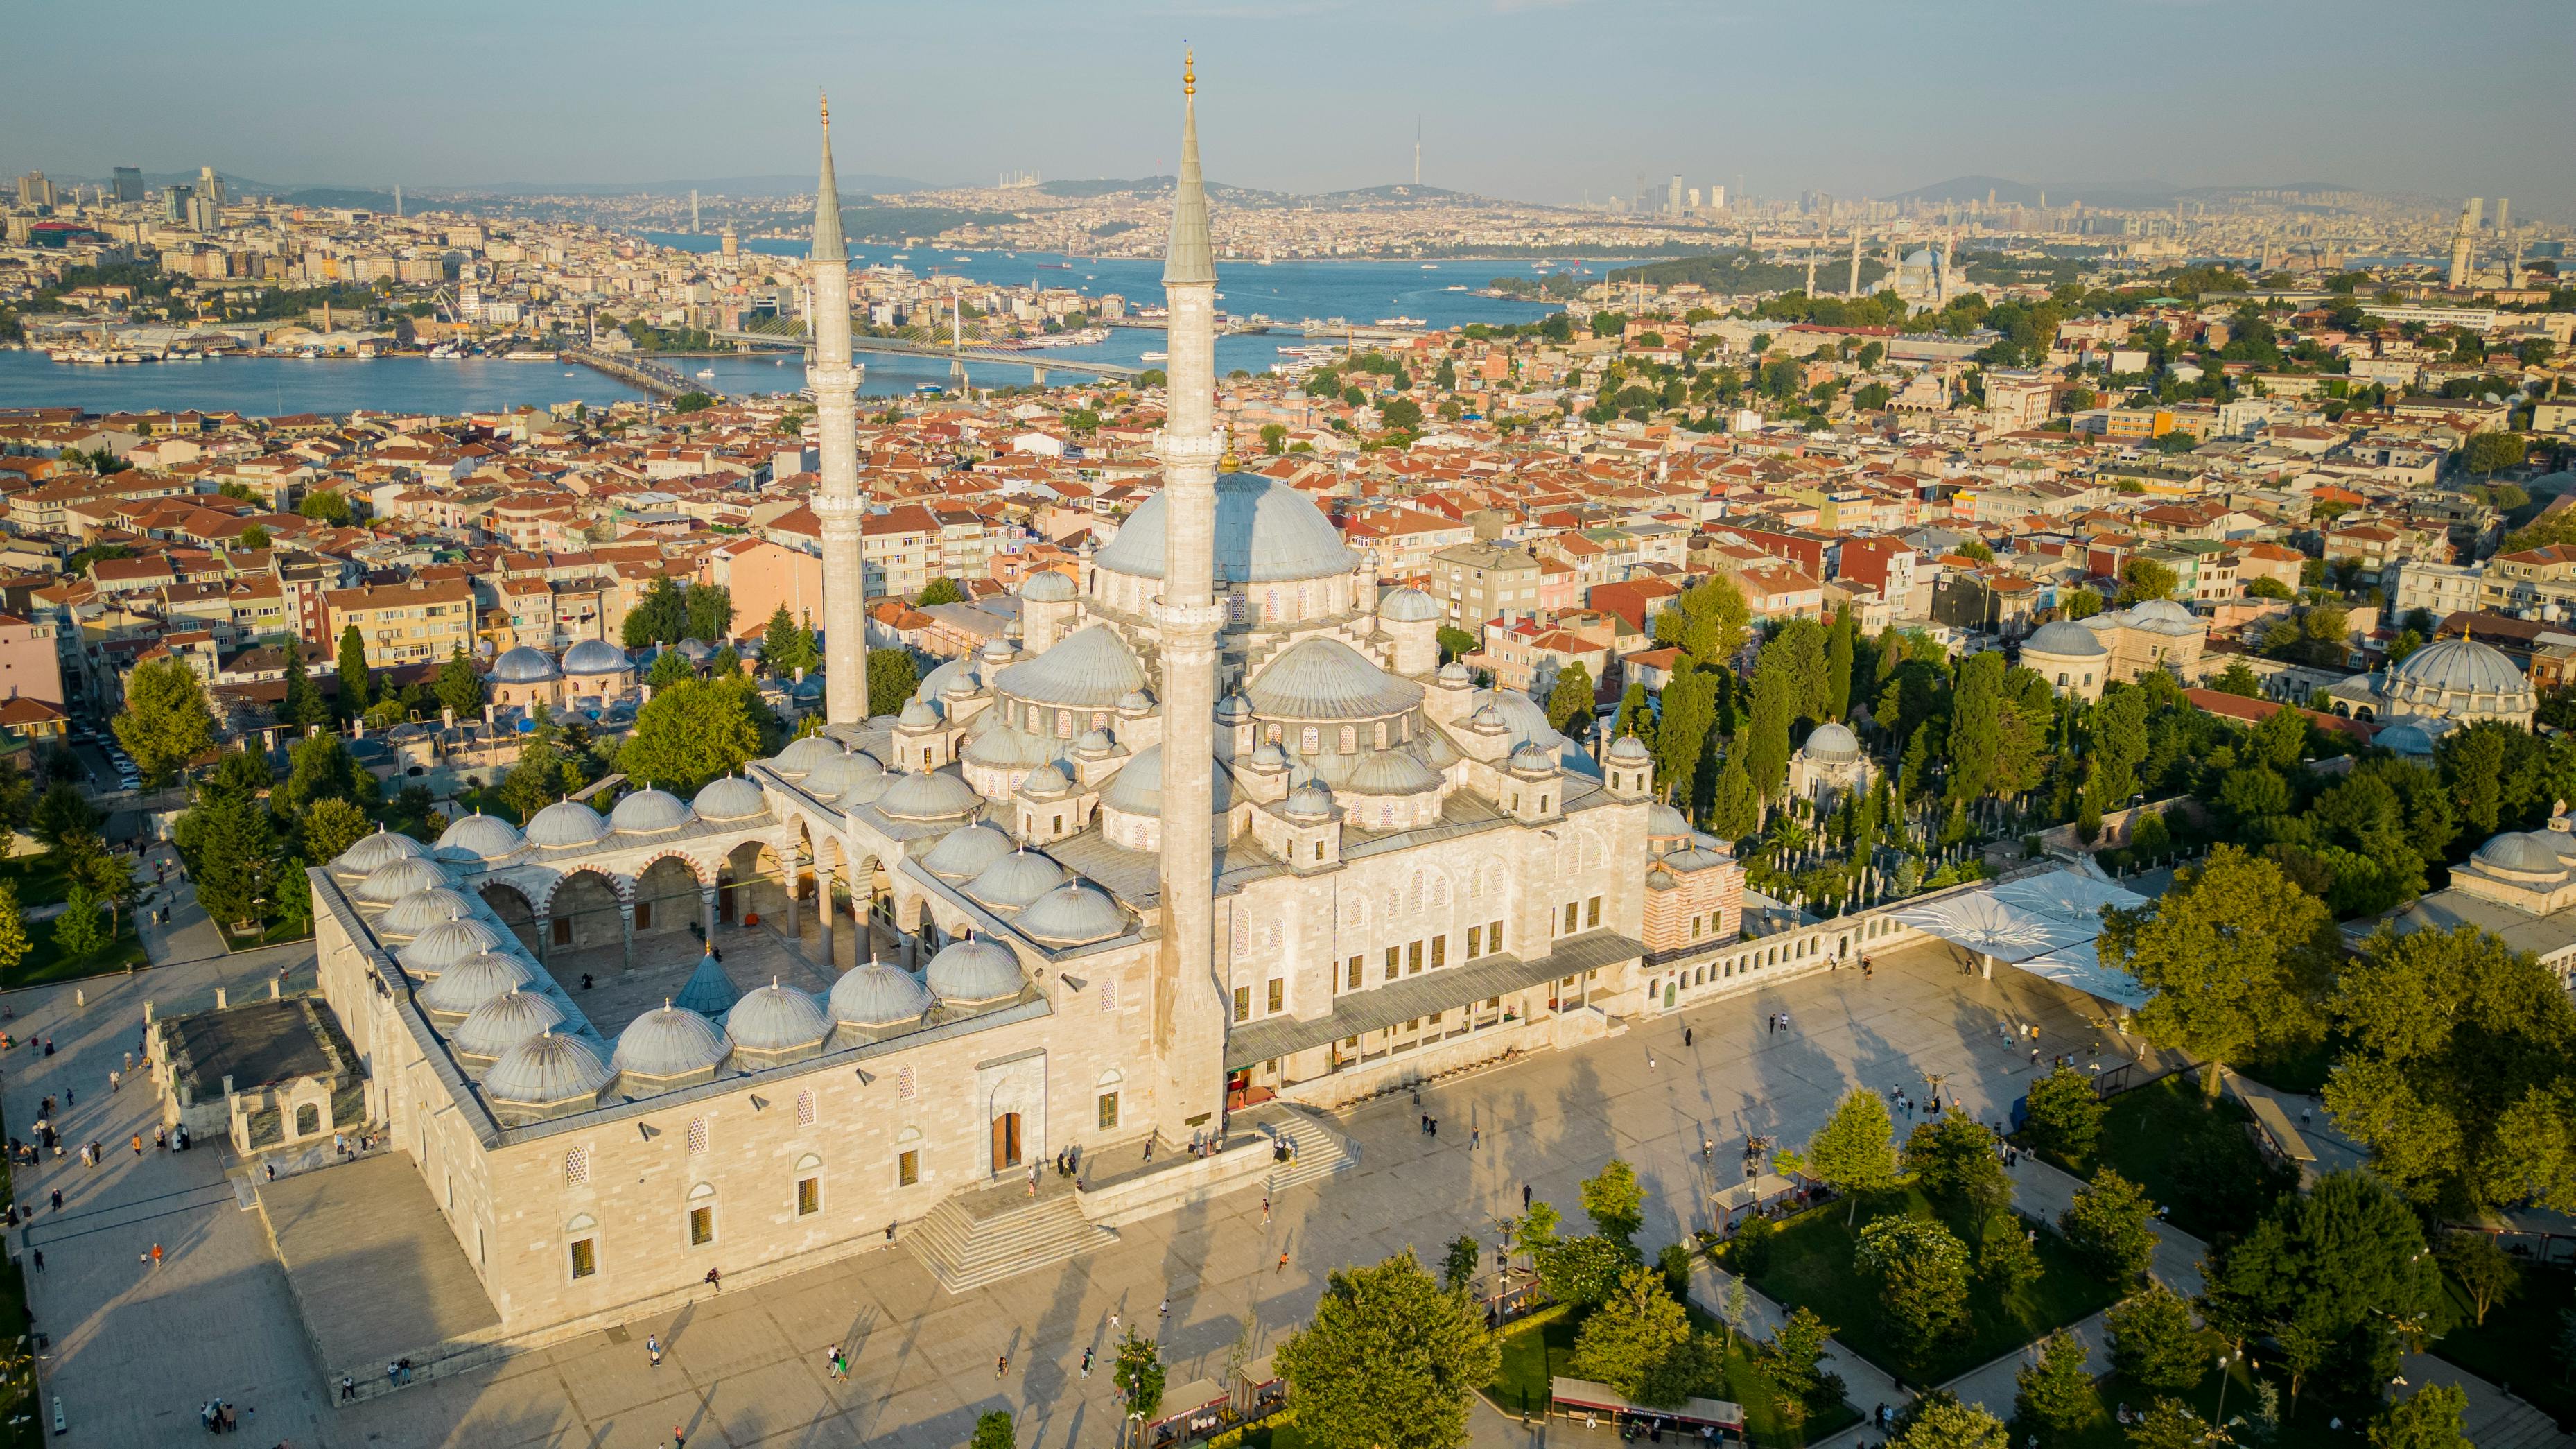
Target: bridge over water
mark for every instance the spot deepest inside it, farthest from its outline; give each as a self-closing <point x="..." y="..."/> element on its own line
<point x="1039" y="361"/>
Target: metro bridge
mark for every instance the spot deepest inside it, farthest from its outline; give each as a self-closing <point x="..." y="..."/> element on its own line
<point x="1039" y="361"/>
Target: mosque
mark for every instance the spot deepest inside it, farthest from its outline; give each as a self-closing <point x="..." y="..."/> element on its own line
<point x="1216" y="842"/>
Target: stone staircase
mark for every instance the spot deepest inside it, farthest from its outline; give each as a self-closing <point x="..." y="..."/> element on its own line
<point x="1322" y="1150"/>
<point x="982" y="1237"/>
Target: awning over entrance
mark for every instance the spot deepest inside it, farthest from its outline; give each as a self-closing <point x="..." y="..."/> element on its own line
<point x="2080" y="966"/>
<point x="1362" y="1012"/>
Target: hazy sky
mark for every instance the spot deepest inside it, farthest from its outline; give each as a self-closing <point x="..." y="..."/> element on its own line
<point x="1541" y="99"/>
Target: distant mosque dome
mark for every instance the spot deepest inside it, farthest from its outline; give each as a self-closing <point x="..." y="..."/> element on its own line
<point x="524" y="665"/>
<point x="1408" y="606"/>
<point x="596" y="656"/>
<point x="2457" y="679"/>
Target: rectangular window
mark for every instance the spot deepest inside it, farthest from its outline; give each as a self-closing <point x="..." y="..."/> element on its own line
<point x="1475" y="941"/>
<point x="585" y="1257"/>
<point x="1392" y="956"/>
<point x="1413" y="959"/>
<point x="643" y="915"/>
<point x="1493" y="936"/>
<point x="1572" y="908"/>
<point x="1108" y="993"/>
<point x="904" y="1086"/>
<point x="1278" y="995"/>
<point x="1354" y="967"/>
<point x="809" y="1196"/>
<point x="1109" y="1111"/>
<point x="577" y="1167"/>
<point x="697" y="1135"/>
<point x="1592" y="912"/>
<point x="1439" y="951"/>
<point x="805" y="1109"/>
<point x="1243" y="1003"/>
<point x="907" y="1168"/>
<point x="702" y="1226"/>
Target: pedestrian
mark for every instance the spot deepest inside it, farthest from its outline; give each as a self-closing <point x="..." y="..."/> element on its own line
<point x="129" y="1061"/>
<point x="1650" y="1061"/>
<point x="58" y="1199"/>
<point x="679" y="1440"/>
<point x="348" y="1392"/>
<point x="1001" y="1364"/>
<point x="272" y="1171"/>
<point x="115" y="1079"/>
<point x="138" y="1144"/>
<point x="715" y="1279"/>
<point x="1784" y="1021"/>
<point x="1086" y="1363"/>
<point x="1165" y="1311"/>
<point x="161" y="1139"/>
<point x="39" y="1255"/>
<point x="1475" y="1136"/>
<point x="1283" y="1260"/>
<point x="156" y="1255"/>
<point x="1113" y="1321"/>
<point x="405" y="1365"/>
<point x="393" y="1373"/>
<point x="1265" y="1207"/>
<point x="1525" y="1198"/>
<point x="653" y="1348"/>
<point x="1773" y="1022"/>
<point x="1686" y="1036"/>
<point x="1435" y="1126"/>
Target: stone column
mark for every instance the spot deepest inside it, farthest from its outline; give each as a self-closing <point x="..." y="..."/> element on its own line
<point x="626" y="929"/>
<point x="794" y="871"/>
<point x="823" y="908"/>
<point x="707" y="899"/>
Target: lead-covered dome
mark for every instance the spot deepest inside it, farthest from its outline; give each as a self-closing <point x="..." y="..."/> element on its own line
<point x="730" y="798"/>
<point x="594" y="657"/>
<point x="1137" y="788"/>
<point x="963" y="854"/>
<point x="480" y="837"/>
<point x="566" y="825"/>
<point x="1630" y="750"/>
<point x="1835" y="743"/>
<point x="650" y="812"/>
<point x="2064" y="639"/>
<point x="1322" y="678"/>
<point x="2163" y="611"/>
<point x="669" y="1041"/>
<point x="1049" y="587"/>
<point x="476" y="979"/>
<point x="421" y="910"/>
<point x="2463" y="665"/>
<point x="801" y="756"/>
<point x="2522" y="853"/>
<point x="1087" y="669"/>
<point x="878" y="994"/>
<point x="396" y="879"/>
<point x="928" y="795"/>
<point x="974" y="970"/>
<point x="524" y="665"/>
<point x="505" y="1021"/>
<point x="547" y="1070"/>
<point x="374" y="852"/>
<point x="1266" y="532"/>
<point x="1075" y="914"/>
<point x="1408" y="606"/>
<point x="849" y="773"/>
<point x="776" y="1018"/>
<point x="1015" y="880"/>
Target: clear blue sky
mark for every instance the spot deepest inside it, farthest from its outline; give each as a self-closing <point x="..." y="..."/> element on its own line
<point x="1531" y="98"/>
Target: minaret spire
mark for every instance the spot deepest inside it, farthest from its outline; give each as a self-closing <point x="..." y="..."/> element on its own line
<point x="837" y="504"/>
<point x="1189" y="1008"/>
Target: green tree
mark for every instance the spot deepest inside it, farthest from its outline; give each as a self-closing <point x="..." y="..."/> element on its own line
<point x="893" y="676"/>
<point x="61" y="813"/>
<point x="328" y="507"/>
<point x="710" y="609"/>
<point x="254" y="537"/>
<point x="2053" y="1395"/>
<point x="354" y="693"/>
<point x="1639" y="1342"/>
<point x="2235" y="955"/>
<point x="941" y="591"/>
<point x="660" y="617"/>
<point x="1455" y="642"/>
<point x="1953" y="1161"/>
<point x="2486" y="1273"/>
<point x="2488" y="452"/>
<point x="1402" y="414"/>
<point x="2429" y="1418"/>
<point x="2168" y="1423"/>
<point x="787" y="646"/>
<point x="2110" y="1222"/>
<point x="2267" y="587"/>
<point x="1615" y="1201"/>
<point x="1138" y="1375"/>
<point x="2153" y="1343"/>
<point x="992" y="1430"/>
<point x="670" y="667"/>
<point x="1920" y="1269"/>
<point x="330" y="827"/>
<point x="321" y="768"/>
<point x="2238" y="679"/>
<point x="1853" y="1153"/>
<point x="165" y="722"/>
<point x="1389" y="1361"/>
<point x="2458" y="1072"/>
<point x="1839" y="646"/>
<point x="2142" y="579"/>
<point x="1682" y="739"/>
<point x="1458" y="1267"/>
<point x="78" y="931"/>
<point x="1584" y="1270"/>
<point x="1535" y="1235"/>
<point x="692" y="732"/>
<point x="1738" y="812"/>
<point x="1274" y="438"/>
<point x="1765" y="741"/>
<point x="1570" y="700"/>
<point x="1636" y="715"/>
<point x="303" y="707"/>
<point x="1939" y="1421"/>
<point x="459" y="687"/>
<point x="14" y="944"/>
<point x="1792" y="1356"/>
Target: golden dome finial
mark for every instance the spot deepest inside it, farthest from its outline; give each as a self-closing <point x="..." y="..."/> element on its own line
<point x="1229" y="463"/>
<point x="1189" y="73"/>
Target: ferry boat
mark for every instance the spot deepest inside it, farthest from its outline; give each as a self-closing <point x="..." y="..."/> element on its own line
<point x="1401" y="322"/>
<point x="1057" y="266"/>
<point x="1157" y="357"/>
<point x="1430" y="266"/>
<point x="527" y="354"/>
<point x="706" y="372"/>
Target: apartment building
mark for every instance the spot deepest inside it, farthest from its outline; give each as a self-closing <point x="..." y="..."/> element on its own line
<point x="406" y="623"/>
<point x="1477" y="582"/>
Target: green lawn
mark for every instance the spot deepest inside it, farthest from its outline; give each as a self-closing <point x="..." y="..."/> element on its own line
<point x="39" y="879"/>
<point x="2518" y="1345"/>
<point x="2297" y="1069"/>
<point x="44" y="963"/>
<point x="269" y="934"/>
<point x="1540" y="1347"/>
<point x="2192" y="1157"/>
<point x="1810" y="1266"/>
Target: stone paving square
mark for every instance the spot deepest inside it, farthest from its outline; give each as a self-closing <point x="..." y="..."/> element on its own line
<point x="373" y="1265"/>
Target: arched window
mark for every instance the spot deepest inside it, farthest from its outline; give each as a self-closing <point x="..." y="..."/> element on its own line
<point x="1312" y="739"/>
<point x="577" y="1167"/>
<point x="1350" y="738"/>
<point x="1064" y="724"/>
<point x="308" y="1120"/>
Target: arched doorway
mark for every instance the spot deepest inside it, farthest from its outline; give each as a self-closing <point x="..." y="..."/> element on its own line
<point x="584" y="915"/>
<point x="666" y="897"/>
<point x="1006" y="1142"/>
<point x="511" y="905"/>
<point x="753" y="882"/>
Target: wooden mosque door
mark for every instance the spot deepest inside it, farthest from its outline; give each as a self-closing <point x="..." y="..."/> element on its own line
<point x="1006" y="1142"/>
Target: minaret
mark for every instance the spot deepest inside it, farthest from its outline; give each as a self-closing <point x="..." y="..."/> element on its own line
<point x="836" y="415"/>
<point x="1189" y="1007"/>
<point x="1853" y="288"/>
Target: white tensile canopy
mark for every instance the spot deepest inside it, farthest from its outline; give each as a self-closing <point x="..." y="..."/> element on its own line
<point x="2081" y="967"/>
<point x="1990" y="927"/>
<point x="2044" y="924"/>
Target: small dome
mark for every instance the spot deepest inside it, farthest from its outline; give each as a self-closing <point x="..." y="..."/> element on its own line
<point x="1136" y="701"/>
<point x="1072" y="915"/>
<point x="1270" y="756"/>
<point x="1454" y="672"/>
<point x="957" y="676"/>
<point x="505" y="1021"/>
<point x="1137" y="788"/>
<point x="1310" y="801"/>
<point x="2162" y="611"/>
<point x="1046" y="780"/>
<point x="1630" y="750"/>
<point x="918" y="715"/>
<point x="372" y="853"/>
<point x="709" y="991"/>
<point x="963" y="854"/>
<point x="2458" y="666"/>
<point x="650" y="812"/>
<point x="801" y="756"/>
<point x="1015" y="880"/>
<point x="1095" y="742"/>
<point x="566" y="825"/>
<point x="524" y="665"/>
<point x="998" y="651"/>
<point x="669" y="1041"/>
<point x="879" y="994"/>
<point x="1408" y="606"/>
<point x="449" y="942"/>
<point x="396" y="879"/>
<point x="1534" y="759"/>
<point x="776" y="1018"/>
<point x="1488" y="719"/>
<point x="974" y="970"/>
<point x="1663" y="819"/>
<point x="928" y="796"/>
<point x="851" y="773"/>
<point x="1836" y="743"/>
<point x="475" y="979"/>
<point x="730" y="798"/>
<point x="696" y="651"/>
<point x="480" y="837"/>
<point x="2522" y="853"/>
<point x="1005" y="746"/>
<point x="1234" y="709"/>
<point x="2406" y="737"/>
<point x="421" y="910"/>
<point x="1049" y="587"/>
<point x="546" y="1069"/>
<point x="2064" y="639"/>
<point x="596" y="656"/>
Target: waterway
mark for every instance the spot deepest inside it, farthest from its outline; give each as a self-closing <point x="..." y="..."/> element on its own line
<point x="1291" y="291"/>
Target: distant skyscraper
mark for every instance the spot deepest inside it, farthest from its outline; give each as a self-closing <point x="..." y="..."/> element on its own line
<point x="209" y="185"/>
<point x="128" y="184"/>
<point x="35" y="190"/>
<point x="2504" y="213"/>
<point x="1717" y="198"/>
<point x="174" y="203"/>
<point x="204" y="214"/>
<point x="693" y="211"/>
<point x="2464" y="242"/>
<point x="398" y="199"/>
<point x="1673" y="197"/>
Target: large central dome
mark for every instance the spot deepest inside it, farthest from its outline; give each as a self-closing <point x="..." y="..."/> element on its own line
<point x="1266" y="532"/>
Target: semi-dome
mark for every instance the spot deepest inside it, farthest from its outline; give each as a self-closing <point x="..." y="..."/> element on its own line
<point x="776" y="1018"/>
<point x="524" y="665"/>
<point x="594" y="657"/>
<point x="650" y="812"/>
<point x="964" y="854"/>
<point x="1523" y="718"/>
<point x="1408" y="606"/>
<point x="730" y="798"/>
<point x="480" y="837"/>
<point x="2064" y="639"/>
<point x="1139" y="701"/>
<point x="1087" y="669"/>
<point x="1394" y="772"/>
<point x="974" y="970"/>
<point x="505" y="1021"/>
<point x="566" y="825"/>
<point x="421" y="910"/>
<point x="1835" y="743"/>
<point x="846" y="773"/>
<point x="2522" y="853"/>
<point x="396" y="879"/>
<point x="1015" y="880"/>
<point x="801" y="756"/>
<point x="475" y="979"/>
<point x="1049" y="587"/>
<point x="1137" y="788"/>
<point x="1266" y="532"/>
<point x="1005" y="746"/>
<point x="709" y="991"/>
<point x="669" y="1041"/>
<point x="373" y="852"/>
<point x="878" y="994"/>
<point x="928" y="795"/>
<point x="1322" y="678"/>
<point x="546" y="1070"/>
<point x="1072" y="915"/>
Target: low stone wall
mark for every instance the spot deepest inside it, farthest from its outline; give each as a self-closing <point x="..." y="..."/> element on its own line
<point x="1179" y="1182"/>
